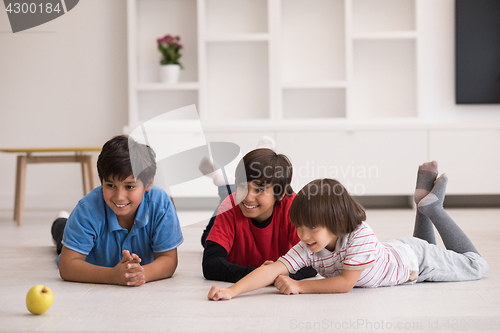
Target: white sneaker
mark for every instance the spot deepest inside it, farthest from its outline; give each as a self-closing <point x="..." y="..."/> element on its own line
<point x="206" y="166"/>
<point x="267" y="142"/>
<point x="62" y="214"/>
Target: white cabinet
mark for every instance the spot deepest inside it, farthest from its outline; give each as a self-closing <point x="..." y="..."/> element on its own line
<point x="470" y="158"/>
<point x="366" y="162"/>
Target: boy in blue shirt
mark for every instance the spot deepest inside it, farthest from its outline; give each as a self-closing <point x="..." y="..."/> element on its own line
<point x="125" y="231"/>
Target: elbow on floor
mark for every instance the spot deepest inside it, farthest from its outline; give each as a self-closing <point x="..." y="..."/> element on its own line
<point x="207" y="273"/>
<point x="63" y="274"/>
<point x="346" y="289"/>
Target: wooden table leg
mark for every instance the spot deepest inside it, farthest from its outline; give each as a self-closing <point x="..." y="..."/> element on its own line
<point x="85" y="175"/>
<point x="91" y="173"/>
<point x="16" y="195"/>
<point x="20" y="188"/>
<point x="88" y="174"/>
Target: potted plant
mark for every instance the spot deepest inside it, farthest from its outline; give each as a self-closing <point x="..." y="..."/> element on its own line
<point x="170" y="47"/>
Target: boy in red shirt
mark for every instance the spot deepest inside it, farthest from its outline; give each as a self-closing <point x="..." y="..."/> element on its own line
<point x="252" y="225"/>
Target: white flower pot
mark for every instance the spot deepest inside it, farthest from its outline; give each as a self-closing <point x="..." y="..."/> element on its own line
<point x="170" y="73"/>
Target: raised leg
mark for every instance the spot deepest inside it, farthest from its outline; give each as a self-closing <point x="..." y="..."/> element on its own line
<point x="432" y="206"/>
<point x="426" y="176"/>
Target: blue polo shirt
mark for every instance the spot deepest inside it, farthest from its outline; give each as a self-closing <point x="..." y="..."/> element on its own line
<point x="93" y="230"/>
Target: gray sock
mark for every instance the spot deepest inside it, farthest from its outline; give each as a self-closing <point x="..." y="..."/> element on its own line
<point x="432" y="206"/>
<point x="426" y="176"/>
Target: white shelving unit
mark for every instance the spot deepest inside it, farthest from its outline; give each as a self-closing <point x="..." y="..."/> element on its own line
<point x="277" y="60"/>
<point x="335" y="82"/>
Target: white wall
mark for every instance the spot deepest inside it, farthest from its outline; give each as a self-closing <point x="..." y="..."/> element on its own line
<point x="65" y="83"/>
<point x="437" y="67"/>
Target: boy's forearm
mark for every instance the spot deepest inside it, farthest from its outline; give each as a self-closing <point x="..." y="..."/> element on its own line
<point x="331" y="285"/>
<point x="219" y="269"/>
<point x="161" y="268"/>
<point x="261" y="277"/>
<point x="81" y="271"/>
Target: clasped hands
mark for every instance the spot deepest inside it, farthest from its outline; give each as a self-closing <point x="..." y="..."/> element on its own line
<point x="129" y="271"/>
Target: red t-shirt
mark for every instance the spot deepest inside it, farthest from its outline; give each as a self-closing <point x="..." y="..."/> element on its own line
<point x="248" y="245"/>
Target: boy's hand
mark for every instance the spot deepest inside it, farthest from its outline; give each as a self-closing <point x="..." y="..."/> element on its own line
<point x="128" y="271"/>
<point x="286" y="285"/>
<point x="218" y="293"/>
<point x="135" y="273"/>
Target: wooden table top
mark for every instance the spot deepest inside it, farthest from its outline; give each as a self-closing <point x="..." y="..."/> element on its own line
<point x="50" y="150"/>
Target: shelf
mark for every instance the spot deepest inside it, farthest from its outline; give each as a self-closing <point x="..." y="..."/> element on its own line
<point x="383" y="15"/>
<point x="384" y="83"/>
<point x="311" y="125"/>
<point x="299" y="125"/>
<point x="155" y="19"/>
<point x="316" y="104"/>
<point x="385" y="35"/>
<point x="313" y="41"/>
<point x="238" y="38"/>
<point x="166" y="86"/>
<point x="239" y="17"/>
<point x="314" y="85"/>
<point x="152" y="103"/>
<point x="238" y="81"/>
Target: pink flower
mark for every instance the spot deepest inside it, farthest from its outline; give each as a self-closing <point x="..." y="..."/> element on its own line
<point x="170" y="49"/>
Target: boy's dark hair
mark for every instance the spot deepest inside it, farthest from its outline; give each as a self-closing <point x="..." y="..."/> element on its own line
<point x="326" y="202"/>
<point x="122" y="157"/>
<point x="263" y="167"/>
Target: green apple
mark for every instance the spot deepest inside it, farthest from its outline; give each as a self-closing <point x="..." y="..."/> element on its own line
<point x="39" y="299"/>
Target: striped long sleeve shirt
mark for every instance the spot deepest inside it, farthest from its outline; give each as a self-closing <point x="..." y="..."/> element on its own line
<point x="383" y="264"/>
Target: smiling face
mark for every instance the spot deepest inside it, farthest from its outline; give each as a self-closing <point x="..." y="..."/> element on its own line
<point x="123" y="197"/>
<point x="255" y="201"/>
<point x="317" y="238"/>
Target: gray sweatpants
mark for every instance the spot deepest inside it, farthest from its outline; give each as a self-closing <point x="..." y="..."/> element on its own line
<point x="440" y="265"/>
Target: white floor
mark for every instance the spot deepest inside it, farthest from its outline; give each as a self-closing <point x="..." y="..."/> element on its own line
<point x="180" y="303"/>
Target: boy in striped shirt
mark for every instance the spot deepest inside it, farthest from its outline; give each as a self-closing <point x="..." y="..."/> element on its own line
<point x="337" y="242"/>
